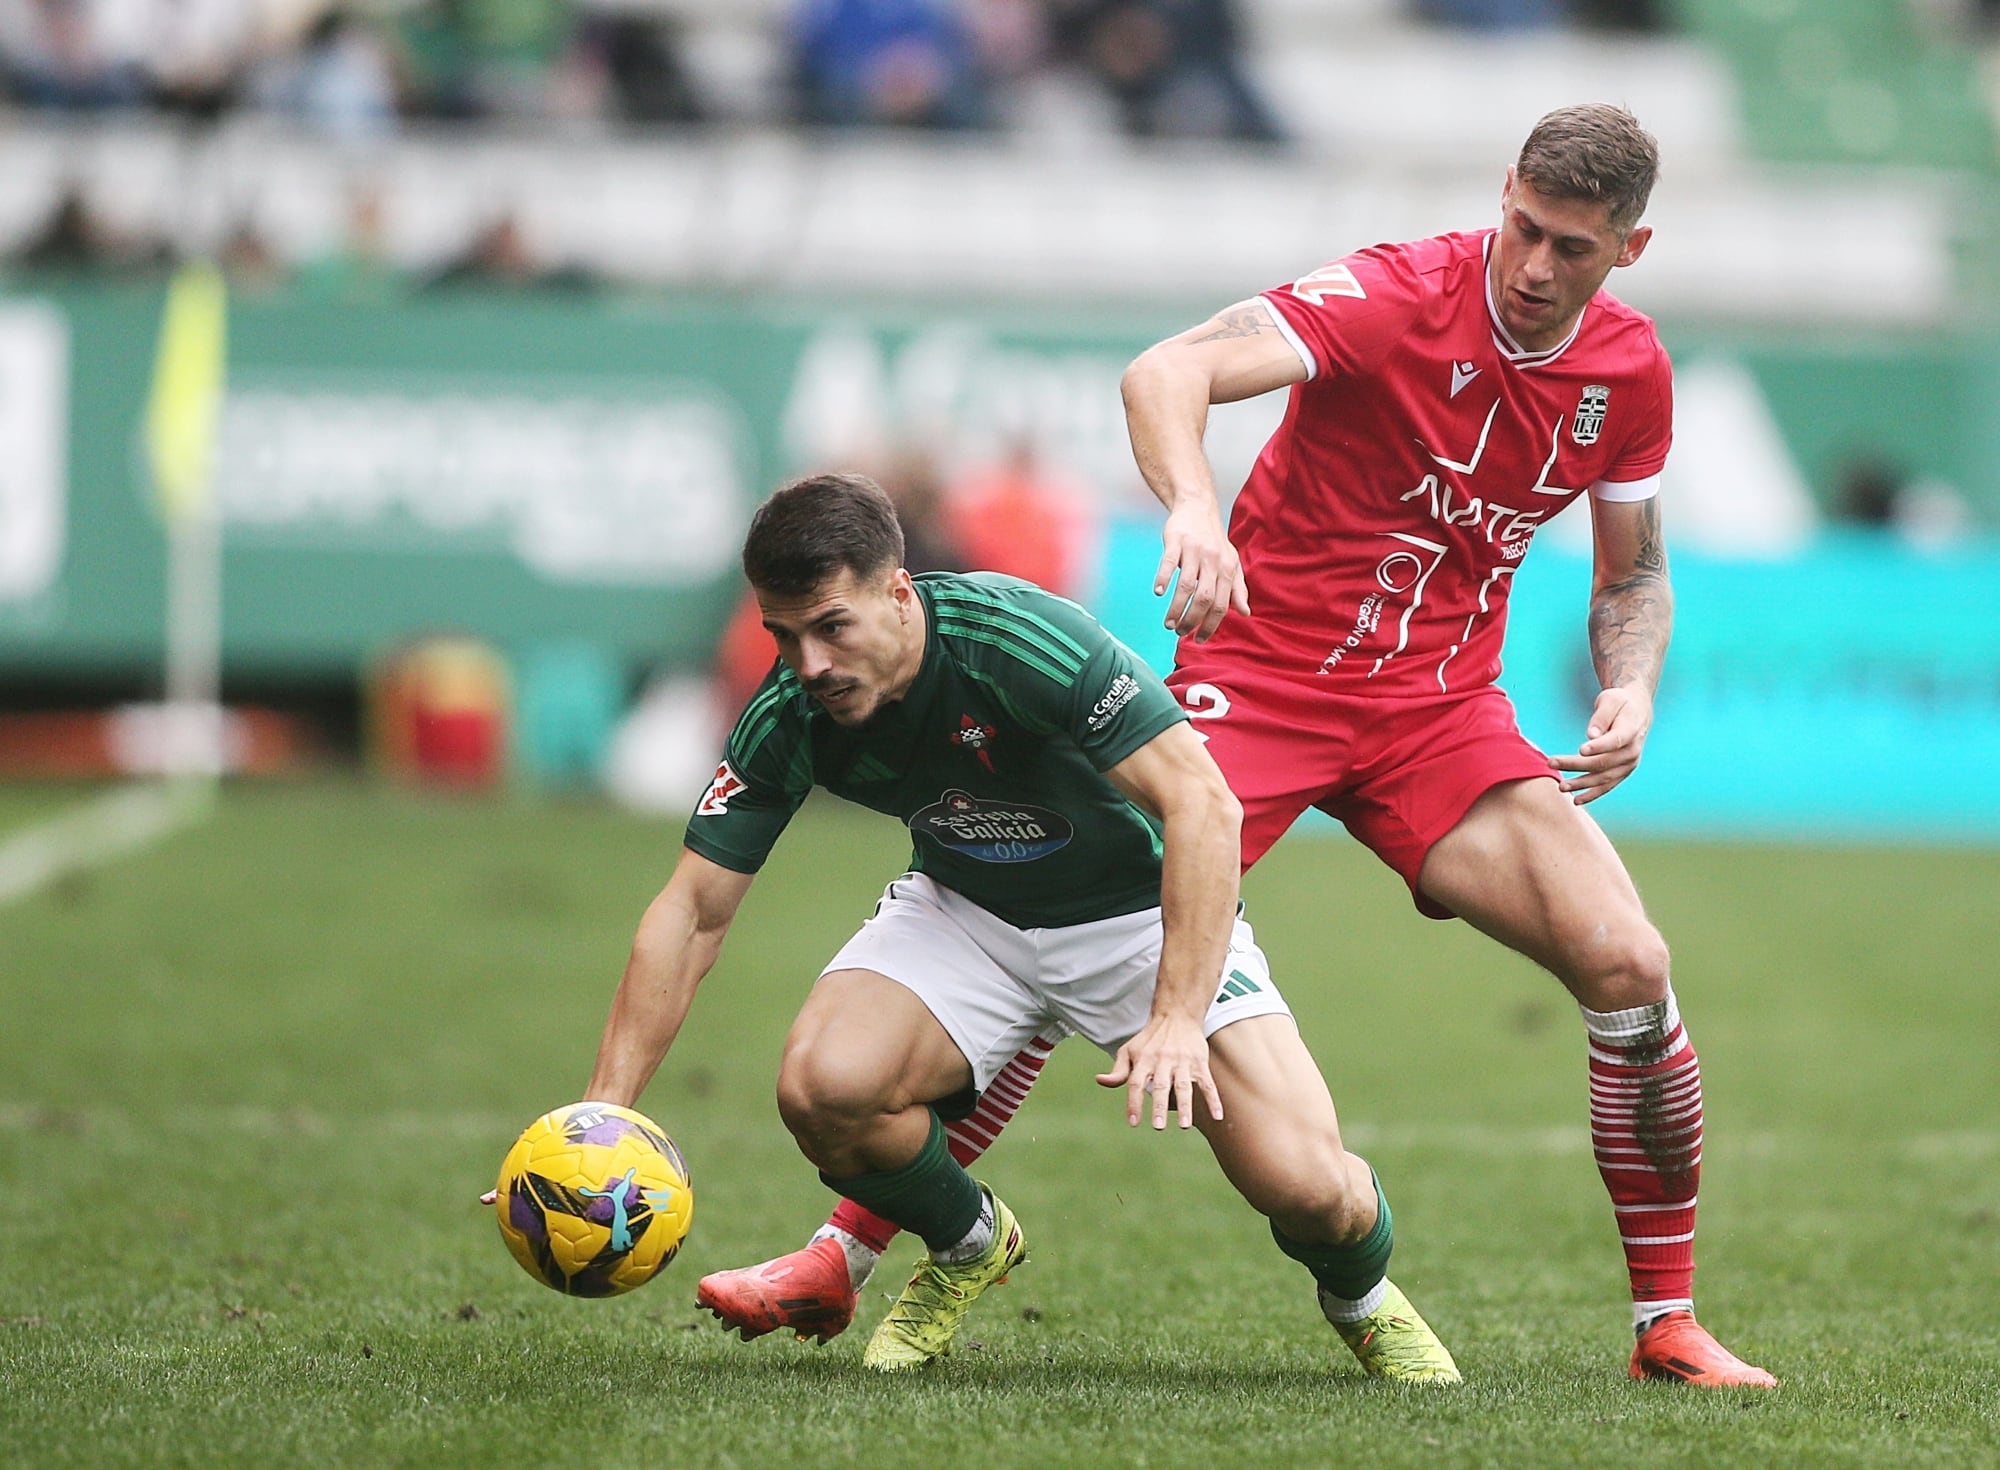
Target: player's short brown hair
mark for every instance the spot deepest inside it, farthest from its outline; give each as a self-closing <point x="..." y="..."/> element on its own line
<point x="815" y="528"/>
<point x="1594" y="151"/>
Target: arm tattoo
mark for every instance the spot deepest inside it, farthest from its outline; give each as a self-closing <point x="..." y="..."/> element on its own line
<point x="1651" y="555"/>
<point x="1632" y="619"/>
<point x="1246" y="321"/>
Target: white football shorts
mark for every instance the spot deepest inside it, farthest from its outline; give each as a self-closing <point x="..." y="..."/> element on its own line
<point x="992" y="986"/>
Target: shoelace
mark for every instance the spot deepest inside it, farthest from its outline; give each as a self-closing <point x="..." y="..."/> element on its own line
<point x="1381" y="1343"/>
<point x="929" y="1296"/>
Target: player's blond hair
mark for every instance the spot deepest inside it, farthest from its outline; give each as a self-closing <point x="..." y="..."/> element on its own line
<point x="1595" y="151"/>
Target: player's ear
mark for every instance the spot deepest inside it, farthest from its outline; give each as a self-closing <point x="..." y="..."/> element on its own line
<point x="1635" y="245"/>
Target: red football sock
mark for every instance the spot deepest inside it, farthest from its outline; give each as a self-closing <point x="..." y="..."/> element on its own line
<point x="1645" y="1125"/>
<point x="966" y="1139"/>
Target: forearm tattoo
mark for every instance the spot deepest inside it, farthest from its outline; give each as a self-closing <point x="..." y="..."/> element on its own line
<point x="1632" y="619"/>
<point x="1246" y="321"/>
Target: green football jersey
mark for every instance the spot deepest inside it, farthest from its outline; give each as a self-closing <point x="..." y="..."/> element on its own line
<point x="994" y="758"/>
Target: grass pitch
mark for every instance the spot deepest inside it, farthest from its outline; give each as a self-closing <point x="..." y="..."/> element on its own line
<point x="251" y="1081"/>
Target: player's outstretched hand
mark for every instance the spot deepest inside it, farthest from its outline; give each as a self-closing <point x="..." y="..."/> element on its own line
<point x="1211" y="577"/>
<point x="1169" y="1059"/>
<point x="1610" y="751"/>
<point x="490" y="1196"/>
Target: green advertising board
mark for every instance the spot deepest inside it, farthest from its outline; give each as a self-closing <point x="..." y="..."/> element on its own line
<point x="547" y="467"/>
<point x="519" y="467"/>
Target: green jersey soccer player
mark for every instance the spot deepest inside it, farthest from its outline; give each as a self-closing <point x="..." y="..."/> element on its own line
<point x="1074" y="869"/>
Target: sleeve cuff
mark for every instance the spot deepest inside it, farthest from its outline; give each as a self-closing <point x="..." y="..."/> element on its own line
<point x="1627" y="490"/>
<point x="1291" y="335"/>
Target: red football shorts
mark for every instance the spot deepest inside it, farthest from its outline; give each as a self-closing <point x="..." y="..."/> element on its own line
<point x="1397" y="773"/>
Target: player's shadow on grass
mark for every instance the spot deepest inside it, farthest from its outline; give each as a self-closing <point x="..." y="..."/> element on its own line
<point x="1050" y="1374"/>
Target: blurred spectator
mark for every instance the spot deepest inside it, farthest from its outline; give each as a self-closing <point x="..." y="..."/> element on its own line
<point x="929" y="541"/>
<point x="69" y="240"/>
<point x="1172" y="67"/>
<point x="642" y="60"/>
<point x="1866" y="495"/>
<point x="339" y="82"/>
<point x="1617" y="15"/>
<point x="72" y="54"/>
<point x="198" y="50"/>
<point x="743" y="656"/>
<point x="74" y="240"/>
<point x="358" y="270"/>
<point x="891" y="63"/>
<point x="1010" y="38"/>
<point x="483" y="58"/>
<point x="1876" y="491"/>
<point x="1015" y="516"/>
<point x="248" y="261"/>
<point x="1493" y="15"/>
<point x="499" y="255"/>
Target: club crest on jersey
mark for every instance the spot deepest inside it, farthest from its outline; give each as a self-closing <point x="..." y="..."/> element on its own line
<point x="992" y="831"/>
<point x="1589" y="420"/>
<point x="975" y="737"/>
<point x="725" y="785"/>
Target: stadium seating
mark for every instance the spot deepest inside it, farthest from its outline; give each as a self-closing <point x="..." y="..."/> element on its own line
<point x="1396" y="130"/>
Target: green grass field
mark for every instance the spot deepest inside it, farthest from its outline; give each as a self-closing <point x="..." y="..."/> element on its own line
<point x="252" y="1079"/>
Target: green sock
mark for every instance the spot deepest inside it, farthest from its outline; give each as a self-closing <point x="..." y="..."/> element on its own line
<point x="1350" y="1270"/>
<point x="932" y="1197"/>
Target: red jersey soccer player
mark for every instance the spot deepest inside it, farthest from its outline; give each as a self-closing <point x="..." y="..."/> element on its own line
<point x="1447" y="397"/>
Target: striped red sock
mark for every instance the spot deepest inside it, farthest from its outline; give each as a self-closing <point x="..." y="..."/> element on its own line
<point x="966" y="1139"/>
<point x="1645" y="1126"/>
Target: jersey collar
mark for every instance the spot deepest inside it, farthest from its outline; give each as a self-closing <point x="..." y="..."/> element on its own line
<point x="1511" y="350"/>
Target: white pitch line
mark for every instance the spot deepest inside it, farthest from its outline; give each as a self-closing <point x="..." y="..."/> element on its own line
<point x="107" y="827"/>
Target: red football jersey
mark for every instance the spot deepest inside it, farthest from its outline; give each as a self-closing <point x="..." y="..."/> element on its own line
<point x="1383" y="522"/>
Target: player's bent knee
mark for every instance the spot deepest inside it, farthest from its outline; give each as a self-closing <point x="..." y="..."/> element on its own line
<point x="1628" y="969"/>
<point x="825" y="1096"/>
<point x="1328" y="1209"/>
<point x="1313" y="1191"/>
<point x="1651" y="964"/>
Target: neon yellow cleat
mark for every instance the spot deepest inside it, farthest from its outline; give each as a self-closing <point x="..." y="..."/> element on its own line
<point x="924" y="1320"/>
<point x="1394" y="1342"/>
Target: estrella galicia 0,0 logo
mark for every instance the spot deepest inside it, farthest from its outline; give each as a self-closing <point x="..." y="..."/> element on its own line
<point x="993" y="831"/>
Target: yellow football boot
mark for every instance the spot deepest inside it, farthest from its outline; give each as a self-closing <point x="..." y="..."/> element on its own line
<point x="1394" y="1342"/>
<point x="925" y="1318"/>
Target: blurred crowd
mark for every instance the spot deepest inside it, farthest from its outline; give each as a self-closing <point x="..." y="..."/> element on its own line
<point x="74" y="240"/>
<point x="359" y="68"/>
<point x="353" y="68"/>
<point x="357" y="71"/>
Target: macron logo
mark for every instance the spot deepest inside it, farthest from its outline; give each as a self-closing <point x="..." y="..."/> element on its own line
<point x="1461" y="374"/>
<point x="725" y="785"/>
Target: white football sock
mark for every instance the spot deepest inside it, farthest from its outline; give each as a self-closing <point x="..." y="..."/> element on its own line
<point x="1644" y="1314"/>
<point x="1340" y="1311"/>
<point x="978" y="1240"/>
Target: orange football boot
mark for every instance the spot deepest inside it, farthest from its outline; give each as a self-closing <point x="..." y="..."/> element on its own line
<point x="806" y="1291"/>
<point x="1679" y="1348"/>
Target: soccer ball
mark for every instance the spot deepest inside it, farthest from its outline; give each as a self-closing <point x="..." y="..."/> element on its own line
<point x="593" y="1199"/>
